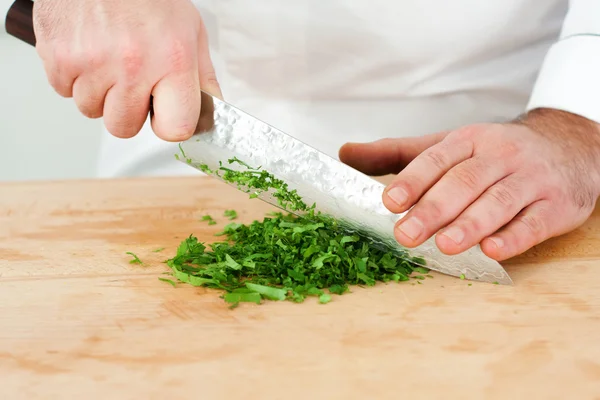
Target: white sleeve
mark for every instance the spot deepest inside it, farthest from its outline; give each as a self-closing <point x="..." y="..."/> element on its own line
<point x="569" y="78"/>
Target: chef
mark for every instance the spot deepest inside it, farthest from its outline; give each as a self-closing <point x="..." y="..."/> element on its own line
<point x="487" y="111"/>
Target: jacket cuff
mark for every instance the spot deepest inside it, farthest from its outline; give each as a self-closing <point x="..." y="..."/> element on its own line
<point x="569" y="79"/>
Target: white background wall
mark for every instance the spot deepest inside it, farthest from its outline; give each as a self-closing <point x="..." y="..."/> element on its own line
<point x="42" y="135"/>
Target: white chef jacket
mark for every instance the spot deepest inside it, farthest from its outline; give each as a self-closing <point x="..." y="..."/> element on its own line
<point x="331" y="72"/>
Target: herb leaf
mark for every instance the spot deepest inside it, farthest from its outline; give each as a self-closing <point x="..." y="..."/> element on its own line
<point x="268" y="292"/>
<point x="242" y="297"/>
<point x="169" y="281"/>
<point x="231" y="214"/>
<point x="324" y="298"/>
<point x="136" y="259"/>
<point x="210" y="220"/>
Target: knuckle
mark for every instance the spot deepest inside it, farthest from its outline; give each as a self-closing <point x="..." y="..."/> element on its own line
<point x="89" y="108"/>
<point x="509" y="149"/>
<point x="43" y="50"/>
<point x="55" y="81"/>
<point x="120" y="129"/>
<point x="175" y="133"/>
<point x="209" y="78"/>
<point x="62" y="58"/>
<point x="94" y="57"/>
<point x="471" y="225"/>
<point x="118" y="122"/>
<point x="132" y="62"/>
<point x="58" y="82"/>
<point x="431" y="211"/>
<point x="502" y="193"/>
<point x="437" y="158"/>
<point x="535" y="224"/>
<point x="94" y="113"/>
<point x="466" y="177"/>
<point x="62" y="92"/>
<point x="178" y="55"/>
<point x="541" y="168"/>
<point x="182" y="131"/>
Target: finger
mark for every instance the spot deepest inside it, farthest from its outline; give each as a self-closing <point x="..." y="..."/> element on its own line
<point x="126" y="109"/>
<point x="386" y="156"/>
<point x="61" y="71"/>
<point x="176" y="105"/>
<point x="206" y="69"/>
<point x="533" y="225"/>
<point x="89" y="91"/>
<point x="424" y="171"/>
<point x="497" y="206"/>
<point x="448" y="198"/>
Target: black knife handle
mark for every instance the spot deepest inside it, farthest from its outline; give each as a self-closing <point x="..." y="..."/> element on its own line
<point x="19" y="21"/>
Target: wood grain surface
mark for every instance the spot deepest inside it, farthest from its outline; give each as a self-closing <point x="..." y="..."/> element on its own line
<point x="77" y="320"/>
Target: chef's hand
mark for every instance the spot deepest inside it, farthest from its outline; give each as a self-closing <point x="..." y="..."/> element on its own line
<point x="505" y="186"/>
<point x="111" y="56"/>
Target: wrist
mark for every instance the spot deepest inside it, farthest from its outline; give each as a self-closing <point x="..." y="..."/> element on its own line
<point x="570" y="131"/>
<point x="563" y="123"/>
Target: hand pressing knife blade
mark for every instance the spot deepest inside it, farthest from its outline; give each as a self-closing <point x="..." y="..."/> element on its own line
<point x="337" y="190"/>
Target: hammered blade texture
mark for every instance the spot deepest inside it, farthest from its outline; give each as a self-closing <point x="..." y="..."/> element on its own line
<point x="337" y="189"/>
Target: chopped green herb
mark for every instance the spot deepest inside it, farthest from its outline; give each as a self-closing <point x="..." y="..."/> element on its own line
<point x="255" y="181"/>
<point x="285" y="256"/>
<point x="422" y="270"/>
<point x="235" y="297"/>
<point x="470" y="284"/>
<point x="210" y="220"/>
<point x="496" y="283"/>
<point x="158" y="250"/>
<point x="168" y="281"/>
<point x="231" y="214"/>
<point x="135" y="260"/>
<point x="462" y="276"/>
<point x="268" y="292"/>
<point x="324" y="298"/>
<point x="182" y="152"/>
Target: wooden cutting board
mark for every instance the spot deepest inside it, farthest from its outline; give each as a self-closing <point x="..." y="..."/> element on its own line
<point x="77" y="320"/>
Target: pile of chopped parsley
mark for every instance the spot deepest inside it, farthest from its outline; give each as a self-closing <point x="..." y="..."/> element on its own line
<point x="284" y="256"/>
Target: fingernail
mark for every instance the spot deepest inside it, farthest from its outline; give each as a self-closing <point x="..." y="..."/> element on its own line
<point x="455" y="234"/>
<point x="412" y="228"/>
<point x="398" y="195"/>
<point x="497" y="241"/>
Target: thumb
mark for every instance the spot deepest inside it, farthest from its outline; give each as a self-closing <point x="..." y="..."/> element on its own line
<point x="176" y="105"/>
<point x="387" y="156"/>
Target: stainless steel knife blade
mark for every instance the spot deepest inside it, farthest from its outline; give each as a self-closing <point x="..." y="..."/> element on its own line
<point x="338" y="190"/>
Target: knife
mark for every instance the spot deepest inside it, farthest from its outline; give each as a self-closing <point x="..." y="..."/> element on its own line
<point x="337" y="190"/>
